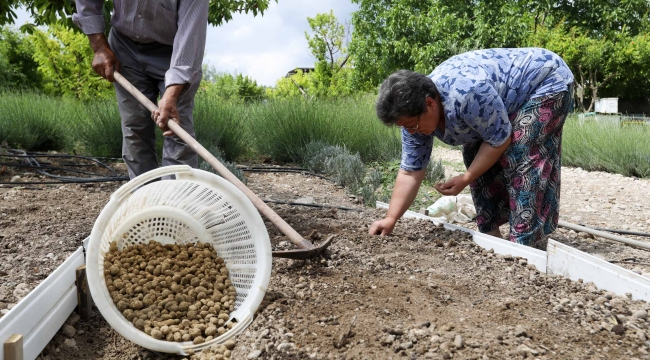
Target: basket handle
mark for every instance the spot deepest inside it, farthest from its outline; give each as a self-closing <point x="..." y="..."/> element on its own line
<point x="132" y="185"/>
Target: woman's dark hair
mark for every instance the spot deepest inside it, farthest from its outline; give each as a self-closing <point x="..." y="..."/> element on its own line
<point x="403" y="94"/>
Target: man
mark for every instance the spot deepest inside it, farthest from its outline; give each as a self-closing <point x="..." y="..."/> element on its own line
<point x="158" y="46"/>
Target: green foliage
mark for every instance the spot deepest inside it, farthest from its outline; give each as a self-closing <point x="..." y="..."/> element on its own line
<point x="17" y="66"/>
<point x="611" y="65"/>
<point x="65" y="62"/>
<point x="407" y="34"/>
<point x="36" y="122"/>
<point x="607" y="146"/>
<point x="220" y="124"/>
<point x="282" y="128"/>
<point x="99" y="132"/>
<point x="48" y="12"/>
<point x="434" y="172"/>
<point x="332" y="73"/>
<point x="231" y="166"/>
<point x="224" y="86"/>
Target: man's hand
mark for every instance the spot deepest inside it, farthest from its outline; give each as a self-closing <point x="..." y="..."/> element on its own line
<point x="167" y="109"/>
<point x="382" y="227"/>
<point x="104" y="61"/>
<point x="454" y="186"/>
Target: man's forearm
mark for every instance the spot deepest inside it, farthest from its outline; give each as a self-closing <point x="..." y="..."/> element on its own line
<point x="174" y="91"/>
<point x="406" y="189"/>
<point x="486" y="157"/>
<point x="98" y="41"/>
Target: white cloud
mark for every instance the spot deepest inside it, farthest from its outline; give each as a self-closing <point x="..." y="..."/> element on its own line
<point x="263" y="47"/>
<point x="266" y="47"/>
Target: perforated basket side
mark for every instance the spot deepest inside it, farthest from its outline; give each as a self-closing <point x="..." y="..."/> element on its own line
<point x="197" y="206"/>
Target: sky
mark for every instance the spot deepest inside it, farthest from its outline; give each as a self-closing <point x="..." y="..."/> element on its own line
<point x="264" y="47"/>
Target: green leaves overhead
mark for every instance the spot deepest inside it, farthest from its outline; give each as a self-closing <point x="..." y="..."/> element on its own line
<point x="47" y="12"/>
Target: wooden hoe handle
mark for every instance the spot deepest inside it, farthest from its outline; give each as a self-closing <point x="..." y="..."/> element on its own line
<point x="261" y="206"/>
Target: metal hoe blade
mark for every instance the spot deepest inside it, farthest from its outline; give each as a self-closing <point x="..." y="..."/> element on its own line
<point x="304" y="254"/>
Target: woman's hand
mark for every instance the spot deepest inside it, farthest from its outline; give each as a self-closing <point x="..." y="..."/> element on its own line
<point x="382" y="227"/>
<point x="454" y="186"/>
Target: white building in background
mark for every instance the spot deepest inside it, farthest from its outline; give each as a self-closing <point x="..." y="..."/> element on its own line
<point x="607" y="106"/>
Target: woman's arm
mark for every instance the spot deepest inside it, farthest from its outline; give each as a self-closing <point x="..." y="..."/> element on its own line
<point x="406" y="189"/>
<point x="487" y="156"/>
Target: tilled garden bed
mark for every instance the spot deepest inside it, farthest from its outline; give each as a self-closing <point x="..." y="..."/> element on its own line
<point x="422" y="292"/>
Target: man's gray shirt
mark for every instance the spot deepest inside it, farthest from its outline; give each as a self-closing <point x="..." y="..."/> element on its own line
<point x="182" y="24"/>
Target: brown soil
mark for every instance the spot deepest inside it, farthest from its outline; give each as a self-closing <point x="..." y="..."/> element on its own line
<point x="414" y="294"/>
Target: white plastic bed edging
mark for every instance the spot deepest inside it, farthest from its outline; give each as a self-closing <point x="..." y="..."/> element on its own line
<point x="39" y="315"/>
<point x="574" y="264"/>
<point x="500" y="246"/>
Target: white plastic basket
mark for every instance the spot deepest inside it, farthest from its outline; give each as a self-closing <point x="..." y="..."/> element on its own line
<point x="196" y="206"/>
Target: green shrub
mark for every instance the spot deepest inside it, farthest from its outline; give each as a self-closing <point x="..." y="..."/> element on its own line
<point x="35" y="122"/>
<point x="100" y="131"/>
<point x="221" y="124"/>
<point x="607" y="146"/>
<point x="283" y="128"/>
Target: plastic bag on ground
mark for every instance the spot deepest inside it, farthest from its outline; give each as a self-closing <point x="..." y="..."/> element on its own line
<point x="459" y="209"/>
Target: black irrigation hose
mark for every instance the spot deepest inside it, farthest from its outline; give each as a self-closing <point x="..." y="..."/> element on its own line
<point x="313" y="205"/>
<point x="287" y="171"/>
<point x="272" y="167"/>
<point x="41" y="167"/>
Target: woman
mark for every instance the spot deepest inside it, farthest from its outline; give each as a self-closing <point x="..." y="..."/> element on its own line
<point x="507" y="108"/>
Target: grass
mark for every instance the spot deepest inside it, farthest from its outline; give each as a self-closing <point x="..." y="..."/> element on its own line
<point x="100" y="131"/>
<point x="282" y="128"/>
<point x="35" y="122"/>
<point x="222" y="125"/>
<point x="606" y="146"/>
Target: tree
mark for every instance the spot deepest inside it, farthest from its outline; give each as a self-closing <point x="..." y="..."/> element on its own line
<point x="329" y="40"/>
<point x="600" y="63"/>
<point x="17" y="66"/>
<point x="64" y="58"/>
<point x="230" y="87"/>
<point x="410" y="34"/>
<point x="47" y="12"/>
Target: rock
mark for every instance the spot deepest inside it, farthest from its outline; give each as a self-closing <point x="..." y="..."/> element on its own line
<point x="525" y="350"/>
<point x="435" y="339"/>
<point x="70" y="343"/>
<point x="73" y="319"/>
<point x="387" y="340"/>
<point x="520" y="331"/>
<point x="458" y="342"/>
<point x="637" y="270"/>
<point x="564" y="301"/>
<point x="21" y="290"/>
<point x="641" y="335"/>
<point x="15" y="178"/>
<point x="425" y="324"/>
<point x="264" y="334"/>
<point x="418" y="333"/>
<point x="254" y="354"/>
<point x="640" y="314"/>
<point x="229" y="344"/>
<point x="68" y="330"/>
<point x="305" y="200"/>
<point x="396" y="331"/>
<point x="446" y="327"/>
<point x="618" y="329"/>
<point x="285" y="346"/>
<point x="405" y="345"/>
<point x="4" y="312"/>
